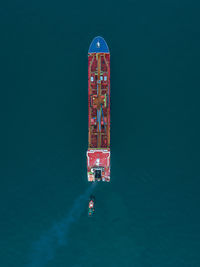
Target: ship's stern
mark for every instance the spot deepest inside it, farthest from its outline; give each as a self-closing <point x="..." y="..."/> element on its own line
<point x="98" y="165"/>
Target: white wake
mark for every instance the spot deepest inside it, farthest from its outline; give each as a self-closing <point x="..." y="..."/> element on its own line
<point x="45" y="248"/>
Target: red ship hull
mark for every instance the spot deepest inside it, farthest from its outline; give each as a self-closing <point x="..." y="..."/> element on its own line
<point x="98" y="154"/>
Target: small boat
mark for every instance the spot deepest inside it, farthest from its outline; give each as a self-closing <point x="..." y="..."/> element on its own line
<point x="91" y="206"/>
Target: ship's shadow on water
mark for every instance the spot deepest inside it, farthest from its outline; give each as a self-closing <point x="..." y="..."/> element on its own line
<point x="44" y="249"/>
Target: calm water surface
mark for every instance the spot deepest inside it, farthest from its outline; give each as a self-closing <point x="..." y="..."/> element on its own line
<point x="149" y="214"/>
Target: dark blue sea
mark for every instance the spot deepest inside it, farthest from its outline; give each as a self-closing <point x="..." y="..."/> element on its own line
<point x="148" y="216"/>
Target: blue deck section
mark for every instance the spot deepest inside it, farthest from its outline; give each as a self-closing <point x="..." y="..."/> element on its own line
<point x="98" y="45"/>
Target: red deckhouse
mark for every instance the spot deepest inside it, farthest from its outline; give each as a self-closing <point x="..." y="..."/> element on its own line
<point x="98" y="154"/>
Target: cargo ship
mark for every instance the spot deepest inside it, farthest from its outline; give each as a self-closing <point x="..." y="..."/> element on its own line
<point x="98" y="153"/>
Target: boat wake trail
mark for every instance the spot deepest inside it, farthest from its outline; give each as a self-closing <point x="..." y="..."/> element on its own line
<point x="44" y="249"/>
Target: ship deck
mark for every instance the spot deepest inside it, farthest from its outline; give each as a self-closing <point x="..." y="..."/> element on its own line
<point x="99" y="99"/>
